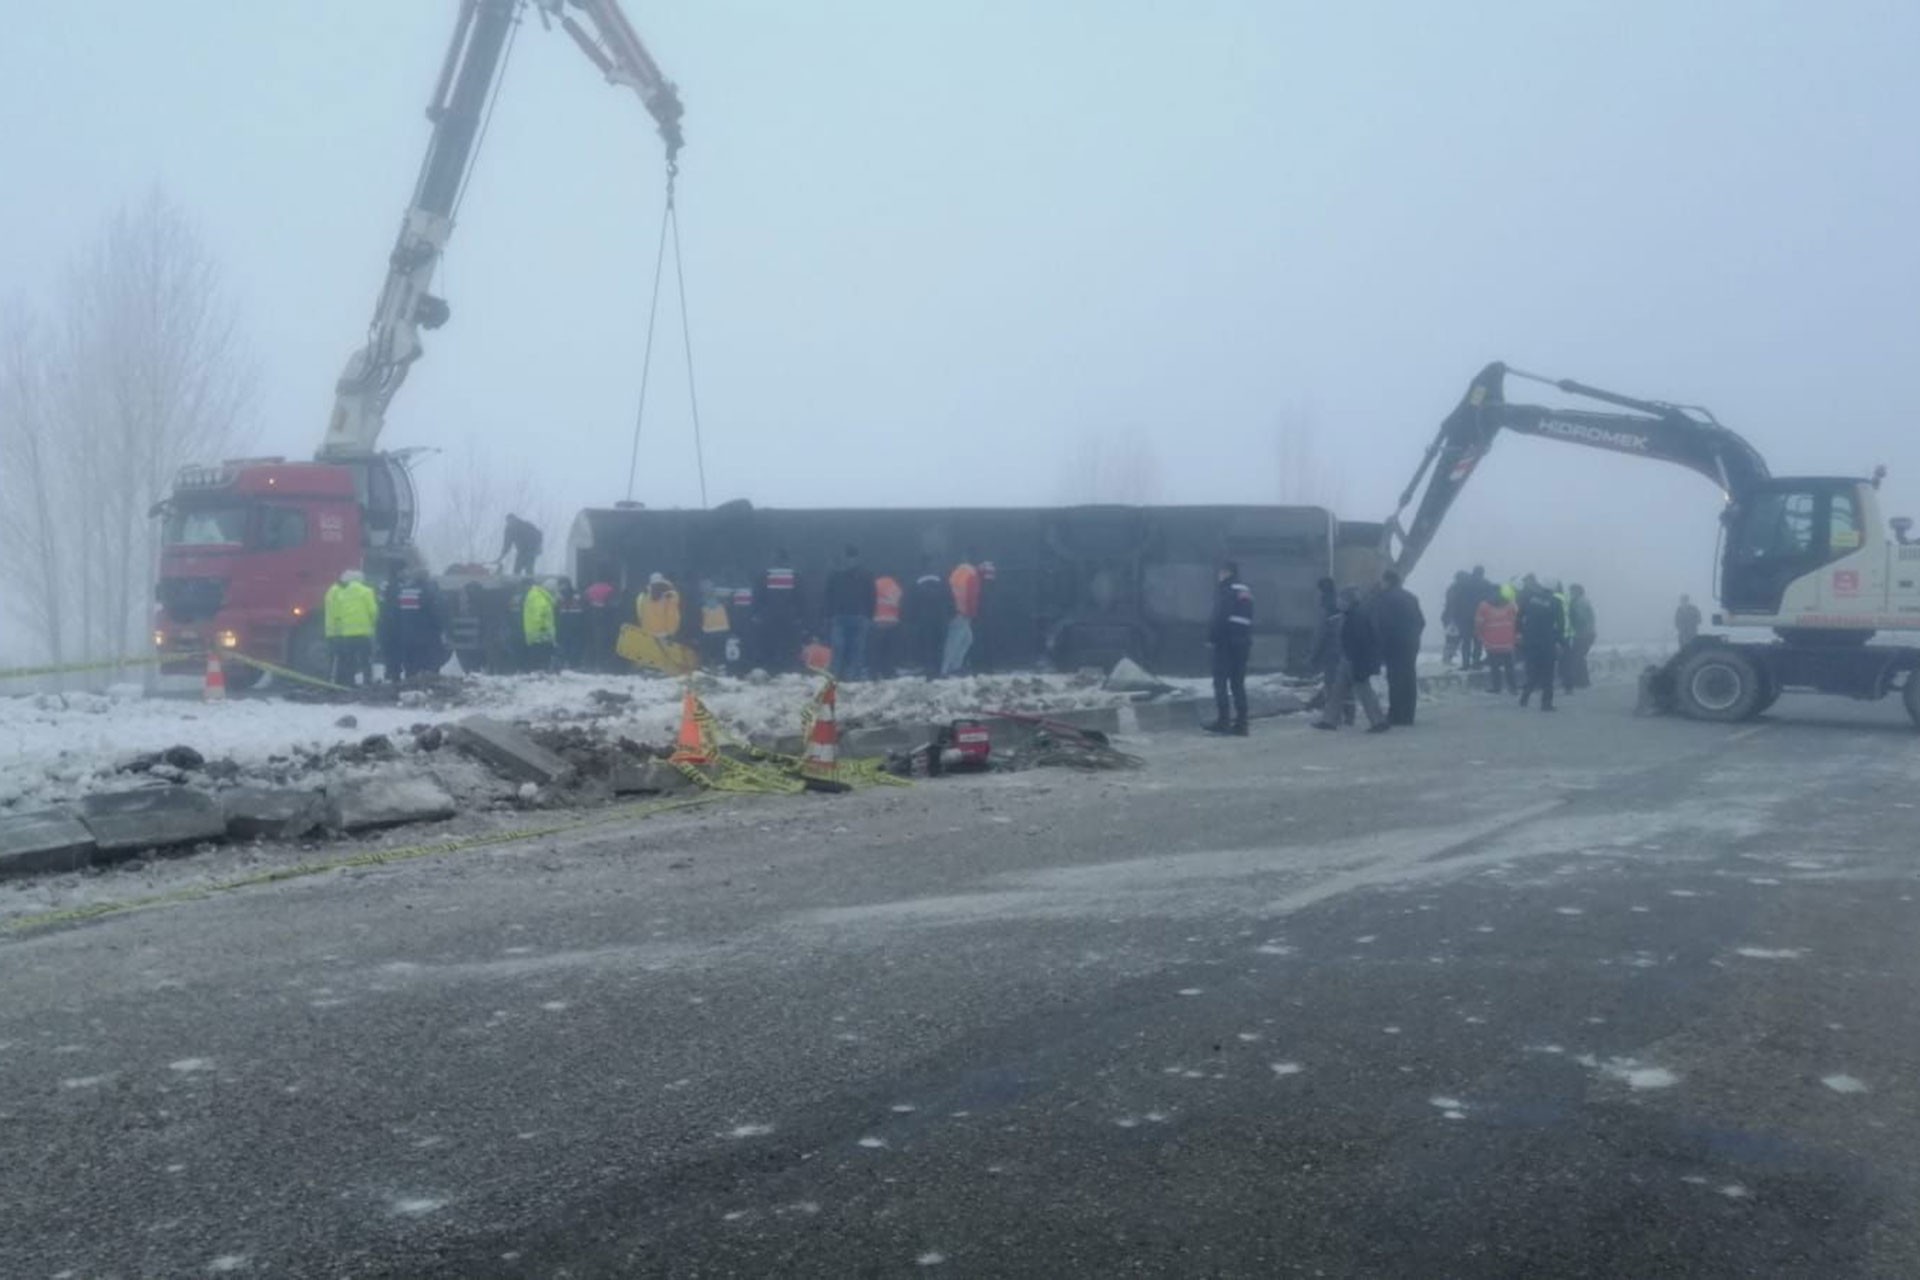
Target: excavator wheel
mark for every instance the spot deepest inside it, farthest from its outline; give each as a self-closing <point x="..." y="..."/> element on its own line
<point x="1719" y="683"/>
<point x="1911" y="697"/>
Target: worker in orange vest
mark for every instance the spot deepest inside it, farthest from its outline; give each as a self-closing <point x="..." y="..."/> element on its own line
<point x="883" y="644"/>
<point x="964" y="582"/>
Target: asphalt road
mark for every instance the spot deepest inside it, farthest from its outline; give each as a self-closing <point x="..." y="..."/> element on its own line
<point x="1506" y="994"/>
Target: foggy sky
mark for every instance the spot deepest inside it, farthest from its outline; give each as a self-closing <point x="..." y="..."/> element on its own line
<point x="932" y="248"/>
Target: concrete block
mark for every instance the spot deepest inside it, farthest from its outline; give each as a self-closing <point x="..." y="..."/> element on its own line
<point x="387" y="800"/>
<point x="1177" y="715"/>
<point x="510" y="751"/>
<point x="125" y="822"/>
<point x="649" y="777"/>
<point x="43" y="840"/>
<point x="268" y="813"/>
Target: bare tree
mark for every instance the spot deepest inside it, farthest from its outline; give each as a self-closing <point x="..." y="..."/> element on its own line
<point x="470" y="506"/>
<point x="155" y="376"/>
<point x="1114" y="466"/>
<point x="31" y="526"/>
<point x="143" y="372"/>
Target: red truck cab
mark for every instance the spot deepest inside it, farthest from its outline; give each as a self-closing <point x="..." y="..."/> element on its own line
<point x="248" y="549"/>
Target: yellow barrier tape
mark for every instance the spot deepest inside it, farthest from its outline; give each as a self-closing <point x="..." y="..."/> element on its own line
<point x="105" y="664"/>
<point x="287" y="673"/>
<point x="371" y="858"/>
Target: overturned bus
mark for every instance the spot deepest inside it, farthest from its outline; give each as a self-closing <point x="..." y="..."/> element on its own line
<point x="1074" y="586"/>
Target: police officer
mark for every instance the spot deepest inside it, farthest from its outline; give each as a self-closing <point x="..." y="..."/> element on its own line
<point x="1231" y="634"/>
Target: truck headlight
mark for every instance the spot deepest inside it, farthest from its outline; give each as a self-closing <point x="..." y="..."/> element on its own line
<point x="229" y="639"/>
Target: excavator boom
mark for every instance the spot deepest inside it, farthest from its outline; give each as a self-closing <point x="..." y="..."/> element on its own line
<point x="1688" y="437"/>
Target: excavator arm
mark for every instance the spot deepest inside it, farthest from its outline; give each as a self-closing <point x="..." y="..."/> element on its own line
<point x="1685" y="435"/>
<point x="469" y="75"/>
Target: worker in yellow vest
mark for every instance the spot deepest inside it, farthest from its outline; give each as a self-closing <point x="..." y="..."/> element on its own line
<point x="352" y="614"/>
<point x="538" y="627"/>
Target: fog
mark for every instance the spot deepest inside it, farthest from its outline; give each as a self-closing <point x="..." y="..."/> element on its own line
<point x="933" y="251"/>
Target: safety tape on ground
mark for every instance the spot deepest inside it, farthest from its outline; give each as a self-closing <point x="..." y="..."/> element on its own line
<point x="288" y="673"/>
<point x="371" y="858"/>
<point x="105" y="664"/>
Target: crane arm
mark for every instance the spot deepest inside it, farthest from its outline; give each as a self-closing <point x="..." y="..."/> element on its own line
<point x="1686" y="436"/>
<point x="468" y="78"/>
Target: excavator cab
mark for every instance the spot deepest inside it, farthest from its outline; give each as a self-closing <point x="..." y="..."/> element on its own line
<point x="1805" y="552"/>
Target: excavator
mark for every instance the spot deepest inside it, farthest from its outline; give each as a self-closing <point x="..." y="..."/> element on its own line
<point x="1807" y="567"/>
<point x="249" y="546"/>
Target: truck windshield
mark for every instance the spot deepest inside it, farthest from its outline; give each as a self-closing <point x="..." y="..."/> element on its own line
<point x="207" y="526"/>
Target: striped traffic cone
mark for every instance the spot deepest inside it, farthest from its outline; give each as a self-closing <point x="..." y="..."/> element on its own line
<point x="822" y="759"/>
<point x="215" y="688"/>
<point x="692" y="746"/>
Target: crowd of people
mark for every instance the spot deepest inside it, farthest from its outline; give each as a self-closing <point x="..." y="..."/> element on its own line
<point x="871" y="624"/>
<point x="1547" y="629"/>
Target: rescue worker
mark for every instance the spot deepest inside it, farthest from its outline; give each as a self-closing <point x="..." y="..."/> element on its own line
<point x="716" y="624"/>
<point x="884" y="641"/>
<point x="658" y="609"/>
<point x="1479" y="591"/>
<point x="603" y="627"/>
<point x="1359" y="660"/>
<point x="421" y="625"/>
<point x="1543" y="630"/>
<point x="738" y="659"/>
<point x="537" y="627"/>
<point x="1326" y="646"/>
<point x="986" y="619"/>
<point x="1456" y="619"/>
<point x="352" y="617"/>
<point x="570" y="624"/>
<point x="929" y="610"/>
<point x="850" y="594"/>
<point x="1398" y="618"/>
<point x="1230" y="632"/>
<point x="1496" y="627"/>
<point x="393" y="653"/>
<point x="523" y="539"/>
<point x="1582" y="628"/>
<point x="1686" y="621"/>
<point x="964" y="582"/>
<point x="776" y="621"/>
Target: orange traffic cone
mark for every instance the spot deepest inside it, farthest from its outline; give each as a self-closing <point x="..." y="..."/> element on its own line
<point x="692" y="746"/>
<point x="215" y="689"/>
<point x="823" y="741"/>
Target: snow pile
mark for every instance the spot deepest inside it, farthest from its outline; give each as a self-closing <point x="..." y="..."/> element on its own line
<point x="55" y="747"/>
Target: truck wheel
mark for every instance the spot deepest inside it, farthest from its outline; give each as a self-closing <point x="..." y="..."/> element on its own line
<point x="1720" y="684"/>
<point x="1911" y="697"/>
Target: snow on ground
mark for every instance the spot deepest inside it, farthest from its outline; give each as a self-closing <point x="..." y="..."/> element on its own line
<point x="57" y="746"/>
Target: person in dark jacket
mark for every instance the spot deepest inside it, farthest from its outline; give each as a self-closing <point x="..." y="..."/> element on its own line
<point x="570" y="625"/>
<point x="393" y="650"/>
<point x="1543" y="630"/>
<point x="524" y="540"/>
<point x="1359" y="660"/>
<point x="776" y="615"/>
<point x="1326" y="647"/>
<point x="1456" y="619"/>
<point x="1479" y="591"/>
<point x="850" y="615"/>
<point x="1230" y="632"/>
<point x="929" y="606"/>
<point x="420" y="624"/>
<point x="1397" y="615"/>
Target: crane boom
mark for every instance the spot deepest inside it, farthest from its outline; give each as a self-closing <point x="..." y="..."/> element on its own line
<point x="482" y="34"/>
<point x="1687" y="436"/>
